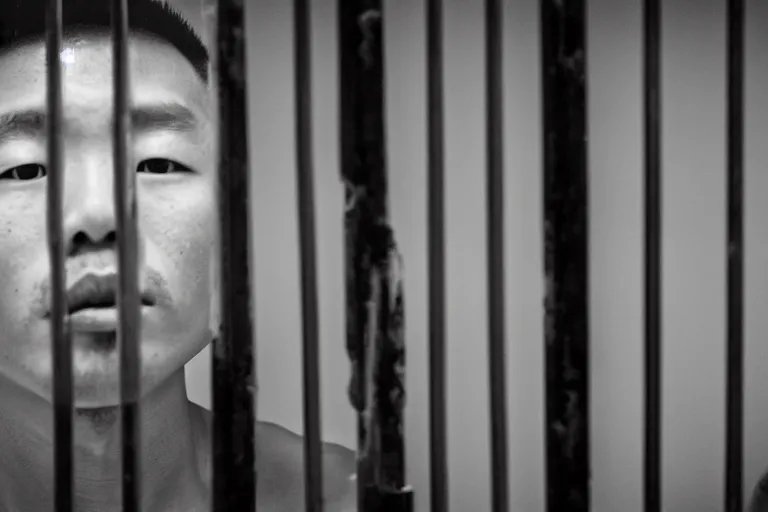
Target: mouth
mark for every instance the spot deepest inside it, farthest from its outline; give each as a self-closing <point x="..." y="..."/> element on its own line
<point x="92" y="303"/>
<point x="98" y="319"/>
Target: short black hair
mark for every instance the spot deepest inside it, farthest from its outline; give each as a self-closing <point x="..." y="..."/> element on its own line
<point x="25" y="20"/>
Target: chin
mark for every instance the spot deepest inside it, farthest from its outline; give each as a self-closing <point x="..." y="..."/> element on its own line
<point x="96" y="378"/>
<point x="96" y="367"/>
<point x="88" y="400"/>
<point x="98" y="390"/>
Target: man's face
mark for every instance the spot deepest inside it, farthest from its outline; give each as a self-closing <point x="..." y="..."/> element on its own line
<point x="176" y="201"/>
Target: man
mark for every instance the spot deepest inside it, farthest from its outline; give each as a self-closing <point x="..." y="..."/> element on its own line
<point x="172" y="146"/>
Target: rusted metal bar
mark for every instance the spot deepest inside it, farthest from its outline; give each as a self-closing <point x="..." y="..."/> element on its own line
<point x="566" y="254"/>
<point x="652" y="261"/>
<point x="234" y="351"/>
<point x="61" y="340"/>
<point x="734" y="447"/>
<point x="374" y="291"/>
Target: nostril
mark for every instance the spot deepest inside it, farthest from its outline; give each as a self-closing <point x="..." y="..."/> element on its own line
<point x="80" y="239"/>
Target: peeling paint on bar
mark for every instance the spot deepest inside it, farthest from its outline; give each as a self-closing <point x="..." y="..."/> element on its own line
<point x="375" y="332"/>
<point x="566" y="254"/>
<point x="234" y="351"/>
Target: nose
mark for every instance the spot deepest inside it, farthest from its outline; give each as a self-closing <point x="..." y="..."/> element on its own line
<point x="89" y="208"/>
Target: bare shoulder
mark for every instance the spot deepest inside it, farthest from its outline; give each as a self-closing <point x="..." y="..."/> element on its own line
<point x="280" y="462"/>
<point x="759" y="499"/>
<point x="280" y="467"/>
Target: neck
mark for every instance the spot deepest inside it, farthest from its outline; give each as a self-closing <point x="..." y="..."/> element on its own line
<point x="170" y="471"/>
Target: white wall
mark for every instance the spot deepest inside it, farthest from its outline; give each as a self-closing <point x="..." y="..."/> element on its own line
<point x="694" y="239"/>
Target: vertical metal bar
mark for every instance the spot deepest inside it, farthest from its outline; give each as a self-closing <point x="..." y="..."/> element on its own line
<point x="734" y="485"/>
<point x="563" y="29"/>
<point x="438" y="454"/>
<point x="61" y="341"/>
<point x="128" y="269"/>
<point x="306" y="205"/>
<point x="375" y="336"/>
<point x="653" y="226"/>
<point x="355" y="217"/>
<point x="495" y="218"/>
<point x="234" y="471"/>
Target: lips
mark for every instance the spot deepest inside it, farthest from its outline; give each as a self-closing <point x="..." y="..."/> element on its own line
<point x="98" y="292"/>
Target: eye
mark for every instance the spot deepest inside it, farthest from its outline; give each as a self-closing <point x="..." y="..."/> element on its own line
<point x="25" y="172"/>
<point x="161" y="166"/>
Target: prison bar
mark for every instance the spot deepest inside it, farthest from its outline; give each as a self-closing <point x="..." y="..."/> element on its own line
<point x="61" y="341"/>
<point x="438" y="451"/>
<point x="128" y="301"/>
<point x="566" y="260"/>
<point x="734" y="447"/>
<point x="306" y="207"/>
<point x="234" y="351"/>
<point x="495" y="223"/>
<point x="375" y="333"/>
<point x="652" y="260"/>
<point x="354" y="218"/>
<point x="565" y="174"/>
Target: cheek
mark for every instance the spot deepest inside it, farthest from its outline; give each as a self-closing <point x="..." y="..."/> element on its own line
<point x="189" y="278"/>
<point x="179" y="239"/>
<point x="23" y="259"/>
<point x="11" y="295"/>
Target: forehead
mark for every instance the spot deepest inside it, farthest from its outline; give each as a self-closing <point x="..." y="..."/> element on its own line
<point x="157" y="72"/>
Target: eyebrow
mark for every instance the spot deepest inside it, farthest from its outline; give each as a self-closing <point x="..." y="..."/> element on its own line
<point x="161" y="116"/>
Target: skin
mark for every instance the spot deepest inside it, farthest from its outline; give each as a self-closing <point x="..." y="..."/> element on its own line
<point x="177" y="222"/>
<point x="759" y="500"/>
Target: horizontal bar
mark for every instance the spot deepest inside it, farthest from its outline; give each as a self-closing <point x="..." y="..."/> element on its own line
<point x="566" y="258"/>
<point x="438" y="453"/>
<point x="653" y="226"/>
<point x="494" y="109"/>
<point x="61" y="341"/>
<point x="234" y="351"/>
<point x="734" y="480"/>
<point x="307" y="245"/>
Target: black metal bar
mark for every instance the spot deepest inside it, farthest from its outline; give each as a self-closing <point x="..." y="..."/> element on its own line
<point x="61" y="341"/>
<point x="307" y="245"/>
<point x="438" y="453"/>
<point x="653" y="226"/>
<point x="566" y="262"/>
<point x="355" y="218"/>
<point x="128" y="268"/>
<point x="495" y="218"/>
<point x="375" y="331"/>
<point x="734" y="483"/>
<point x="234" y="351"/>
